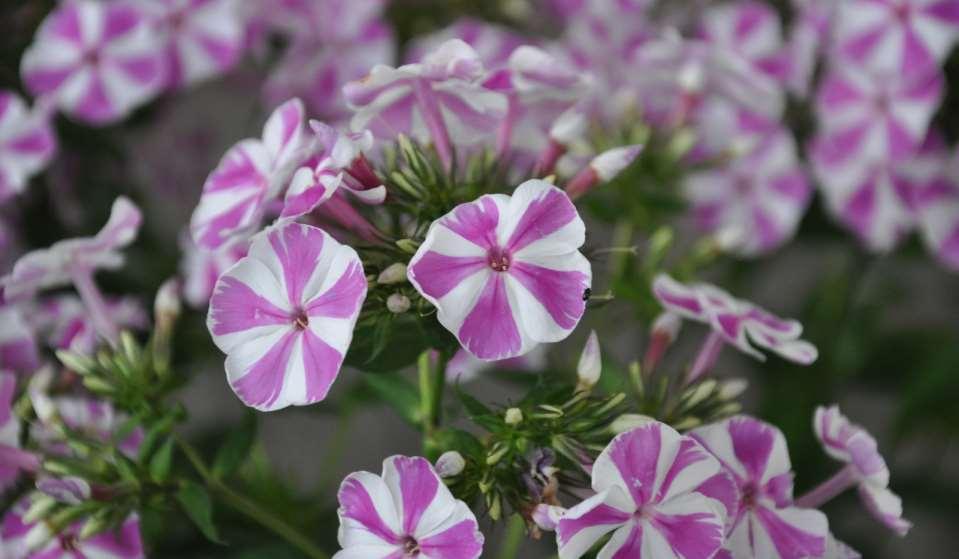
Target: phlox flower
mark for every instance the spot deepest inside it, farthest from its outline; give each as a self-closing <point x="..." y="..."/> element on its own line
<point x="809" y="38"/>
<point x="341" y="164"/>
<point x="539" y="87"/>
<point x="439" y="99"/>
<point x="96" y="419"/>
<point x="505" y="272"/>
<point x="493" y="43"/>
<point x="764" y="524"/>
<point x="13" y="460"/>
<point x="332" y="43"/>
<point x="465" y="367"/>
<point x="759" y="197"/>
<point x="733" y="321"/>
<point x="284" y="315"/>
<point x="405" y="512"/>
<point x="753" y="30"/>
<point x="22" y="540"/>
<point x="865" y="469"/>
<point x="65" y="323"/>
<point x="18" y="343"/>
<point x="647" y="483"/>
<point x="937" y="207"/>
<point x="199" y="38"/>
<point x="96" y="60"/>
<point x="897" y="36"/>
<point x="250" y="174"/>
<point x="27" y="143"/>
<point x="200" y="267"/>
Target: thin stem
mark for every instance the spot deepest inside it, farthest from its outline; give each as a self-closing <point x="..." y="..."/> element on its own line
<point x="433" y="119"/>
<point x="432" y="379"/>
<point x="513" y="538"/>
<point x="249" y="508"/>
<point x="829" y="489"/>
<point x="706" y="358"/>
<point x="96" y="306"/>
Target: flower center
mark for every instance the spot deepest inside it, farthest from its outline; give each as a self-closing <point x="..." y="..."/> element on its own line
<point x="750" y="493"/>
<point x="68" y="542"/>
<point x="92" y="57"/>
<point x="499" y="259"/>
<point x="411" y="547"/>
<point x="301" y="320"/>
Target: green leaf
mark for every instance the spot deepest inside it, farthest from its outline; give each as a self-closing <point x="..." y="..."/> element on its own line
<point x="398" y="392"/>
<point x="236" y="448"/>
<point x="161" y="461"/>
<point x="195" y="502"/>
<point x="473" y="407"/>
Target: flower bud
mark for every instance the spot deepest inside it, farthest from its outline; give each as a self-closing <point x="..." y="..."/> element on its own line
<point x="732" y="388"/>
<point x="43" y="405"/>
<point x="450" y="464"/>
<point x="394" y="273"/>
<point x="39" y="509"/>
<point x="398" y="303"/>
<point x="664" y="332"/>
<point x="628" y="421"/>
<point x="546" y="517"/>
<point x="590" y="363"/>
<point x="70" y="490"/>
<point x="166" y="305"/>
<point x="602" y="168"/>
<point x="697" y="394"/>
<point x="514" y="416"/>
<point x="408" y="245"/>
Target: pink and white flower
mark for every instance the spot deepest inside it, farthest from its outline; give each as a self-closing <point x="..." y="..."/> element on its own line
<point x="505" y="272"/>
<point x="897" y="36"/>
<point x="13" y="460"/>
<point x="751" y="29"/>
<point x="66" y="324"/>
<point x="199" y="38"/>
<point x="865" y="468"/>
<point x="493" y="43"/>
<point x="251" y="173"/>
<point x="18" y="343"/>
<point x="18" y="538"/>
<point x="937" y="208"/>
<point x="93" y="418"/>
<point x="75" y="260"/>
<point x="758" y="199"/>
<point x="809" y="38"/>
<point x="96" y="60"/>
<point x="765" y="524"/>
<point x="464" y="367"/>
<point x="405" y="512"/>
<point x="648" y="489"/>
<point x="26" y="143"/>
<point x="284" y="315"/>
<point x="439" y="99"/>
<point x="733" y="321"/>
<point x="200" y="268"/>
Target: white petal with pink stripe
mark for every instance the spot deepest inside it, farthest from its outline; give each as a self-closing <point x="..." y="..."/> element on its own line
<point x="284" y="315"/>
<point x="26" y="143"/>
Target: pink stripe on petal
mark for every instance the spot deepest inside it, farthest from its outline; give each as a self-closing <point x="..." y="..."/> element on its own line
<point x="321" y="362"/>
<point x="261" y="383"/>
<point x="489" y="330"/>
<point x="690" y="452"/>
<point x="632" y="546"/>
<point x="96" y="105"/>
<point x="752" y="444"/>
<point x="476" y="222"/>
<point x="460" y="541"/>
<point x="696" y="535"/>
<point x="438" y="274"/>
<point x="636" y="455"/>
<point x="418" y="484"/>
<point x="65" y="23"/>
<point x="119" y="20"/>
<point x="124" y="542"/>
<point x="864" y="44"/>
<point x="40" y="81"/>
<point x="600" y="515"/>
<point x="143" y="70"/>
<point x="235" y="307"/>
<point x="559" y="291"/>
<point x="542" y="217"/>
<point x="946" y="10"/>
<point x="357" y="504"/>
<point x="298" y="248"/>
<point x="792" y="541"/>
<point x="343" y="299"/>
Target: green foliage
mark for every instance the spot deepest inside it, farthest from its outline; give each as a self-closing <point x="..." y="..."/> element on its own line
<point x="196" y="503"/>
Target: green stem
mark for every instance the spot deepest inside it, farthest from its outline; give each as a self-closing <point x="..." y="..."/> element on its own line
<point x="431" y="367"/>
<point x="251" y="509"/>
<point x="513" y="538"/>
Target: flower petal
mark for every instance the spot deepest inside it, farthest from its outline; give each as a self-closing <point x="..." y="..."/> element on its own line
<point x="368" y="516"/>
<point x="583" y="525"/>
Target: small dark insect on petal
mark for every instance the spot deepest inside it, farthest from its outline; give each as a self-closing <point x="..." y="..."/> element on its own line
<point x="587" y="293"/>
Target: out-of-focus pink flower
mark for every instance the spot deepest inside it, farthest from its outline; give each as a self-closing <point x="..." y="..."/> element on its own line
<point x="866" y="469"/>
<point x="649" y="489"/>
<point x="18" y="344"/>
<point x="24" y="540"/>
<point x="733" y="321"/>
<point x="66" y="324"/>
<point x="752" y="29"/>
<point x="937" y="205"/>
<point x="439" y="99"/>
<point x="13" y="459"/>
<point x="97" y="60"/>
<point x="199" y="38"/>
<point x="764" y="524"/>
<point x="602" y="168"/>
<point x="407" y="511"/>
<point x="200" y="268"/>
<point x="539" y="88"/>
<point x="94" y="418"/>
<point x="284" y="315"/>
<point x="346" y="39"/>
<point x="26" y="143"/>
<point x="809" y="38"/>
<point x="493" y="43"/>
<point x="251" y="173"/>
<point x="516" y="259"/>
<point x="896" y="37"/>
<point x="464" y="367"/>
<point x="756" y="200"/>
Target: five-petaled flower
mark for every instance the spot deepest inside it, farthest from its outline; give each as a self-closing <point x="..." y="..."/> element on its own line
<point x="866" y="469"/>
<point x="96" y="60"/>
<point x="764" y="524"/>
<point x="647" y="483"/>
<point x="505" y="272"/>
<point x="284" y="315"/>
<point x="26" y="143"/>
<point x="405" y="512"/>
